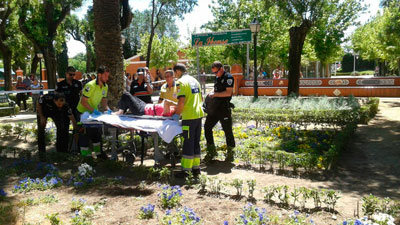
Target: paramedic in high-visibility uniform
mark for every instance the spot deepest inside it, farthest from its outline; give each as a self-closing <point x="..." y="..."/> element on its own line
<point x="190" y="109"/>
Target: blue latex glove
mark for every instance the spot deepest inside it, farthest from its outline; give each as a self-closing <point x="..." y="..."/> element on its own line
<point x="109" y="112"/>
<point x="175" y="117"/>
<point x="96" y="112"/>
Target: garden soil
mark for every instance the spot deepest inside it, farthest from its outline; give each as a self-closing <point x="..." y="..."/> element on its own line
<point x="370" y="165"/>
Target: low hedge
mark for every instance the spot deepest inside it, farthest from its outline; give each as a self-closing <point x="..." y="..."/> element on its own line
<point x="7" y="112"/>
<point x="325" y="112"/>
<point x="369" y="110"/>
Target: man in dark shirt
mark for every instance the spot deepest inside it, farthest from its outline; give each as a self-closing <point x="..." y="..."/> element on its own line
<point x="72" y="89"/>
<point x="141" y="87"/>
<point x="220" y="110"/>
<point x="55" y="107"/>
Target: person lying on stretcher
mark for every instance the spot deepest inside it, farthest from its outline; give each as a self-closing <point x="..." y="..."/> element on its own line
<point x="138" y="107"/>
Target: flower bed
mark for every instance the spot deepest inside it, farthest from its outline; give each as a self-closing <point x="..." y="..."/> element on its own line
<point x="284" y="147"/>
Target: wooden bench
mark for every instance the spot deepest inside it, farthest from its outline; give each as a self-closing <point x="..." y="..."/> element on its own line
<point x="11" y="104"/>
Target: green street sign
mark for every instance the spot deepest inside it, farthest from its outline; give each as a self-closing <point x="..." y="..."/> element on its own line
<point x="221" y="38"/>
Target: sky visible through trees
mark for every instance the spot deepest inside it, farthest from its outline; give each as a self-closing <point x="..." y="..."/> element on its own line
<point x="202" y="14"/>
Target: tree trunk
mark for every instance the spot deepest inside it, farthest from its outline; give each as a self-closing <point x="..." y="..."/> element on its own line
<point x="108" y="46"/>
<point x="7" y="56"/>
<point x="50" y="62"/>
<point x="297" y="37"/>
<point x="34" y="64"/>
<point x="398" y="67"/>
<point x="62" y="61"/>
<point x="149" y="48"/>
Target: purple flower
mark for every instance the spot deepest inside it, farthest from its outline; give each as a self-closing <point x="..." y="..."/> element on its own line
<point x="226" y="222"/>
<point x="78" y="184"/>
<point x="358" y="222"/>
<point x="3" y="193"/>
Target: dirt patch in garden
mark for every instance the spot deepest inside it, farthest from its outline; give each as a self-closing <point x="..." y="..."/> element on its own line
<point x="369" y="165"/>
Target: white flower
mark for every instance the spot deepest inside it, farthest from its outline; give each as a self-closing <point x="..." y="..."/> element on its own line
<point x="85" y="170"/>
<point x="89" y="208"/>
<point x="382" y="217"/>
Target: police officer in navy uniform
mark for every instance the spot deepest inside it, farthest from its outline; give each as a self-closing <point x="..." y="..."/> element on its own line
<point x="72" y="89"/>
<point x="219" y="110"/>
<point x="55" y="107"/>
<point x="141" y="87"/>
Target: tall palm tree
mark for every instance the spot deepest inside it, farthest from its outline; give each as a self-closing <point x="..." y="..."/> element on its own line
<point x="108" y="46"/>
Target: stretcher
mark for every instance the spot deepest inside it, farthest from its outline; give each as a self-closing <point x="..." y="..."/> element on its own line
<point x="144" y="126"/>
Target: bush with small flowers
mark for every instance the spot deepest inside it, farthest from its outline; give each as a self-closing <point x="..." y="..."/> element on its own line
<point x="3" y="194"/>
<point x="50" y="181"/>
<point x="146" y="212"/>
<point x="170" y="196"/>
<point x="183" y="216"/>
<point x="82" y="212"/>
<point x="83" y="177"/>
<point x="252" y="216"/>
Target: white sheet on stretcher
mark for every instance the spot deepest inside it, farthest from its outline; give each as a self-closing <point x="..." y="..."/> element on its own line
<point x="166" y="129"/>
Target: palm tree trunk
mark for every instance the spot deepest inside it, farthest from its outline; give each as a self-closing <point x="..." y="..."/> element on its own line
<point x="108" y="46"/>
<point x="88" y="58"/>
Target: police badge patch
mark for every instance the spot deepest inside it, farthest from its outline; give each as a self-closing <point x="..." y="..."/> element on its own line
<point x="87" y="88"/>
<point x="229" y="81"/>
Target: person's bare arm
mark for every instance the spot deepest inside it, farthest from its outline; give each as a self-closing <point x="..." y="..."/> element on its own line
<point x="181" y="103"/>
<point x="104" y="104"/>
<point x="149" y="87"/>
<point x="85" y="103"/>
<point x="165" y="107"/>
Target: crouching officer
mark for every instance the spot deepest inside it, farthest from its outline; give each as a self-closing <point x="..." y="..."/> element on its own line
<point x="219" y="109"/>
<point x="55" y="107"/>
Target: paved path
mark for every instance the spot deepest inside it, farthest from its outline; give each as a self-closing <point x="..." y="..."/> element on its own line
<point x="22" y="116"/>
<point x="371" y="163"/>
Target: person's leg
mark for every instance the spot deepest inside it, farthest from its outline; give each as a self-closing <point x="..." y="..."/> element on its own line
<point x="84" y="141"/>
<point x="95" y="136"/>
<point x="226" y="123"/>
<point x="25" y="96"/>
<point x="133" y="103"/>
<point x="197" y="149"/>
<point x="208" y="126"/>
<point x="62" y="125"/>
<point x="41" y="139"/>
<point x="19" y="100"/>
<point x="188" y="146"/>
<point x="34" y="101"/>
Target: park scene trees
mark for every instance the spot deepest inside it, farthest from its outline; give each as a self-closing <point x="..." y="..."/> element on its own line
<point x="327" y="157"/>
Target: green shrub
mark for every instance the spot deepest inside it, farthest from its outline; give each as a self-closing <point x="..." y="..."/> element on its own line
<point x="302" y="112"/>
